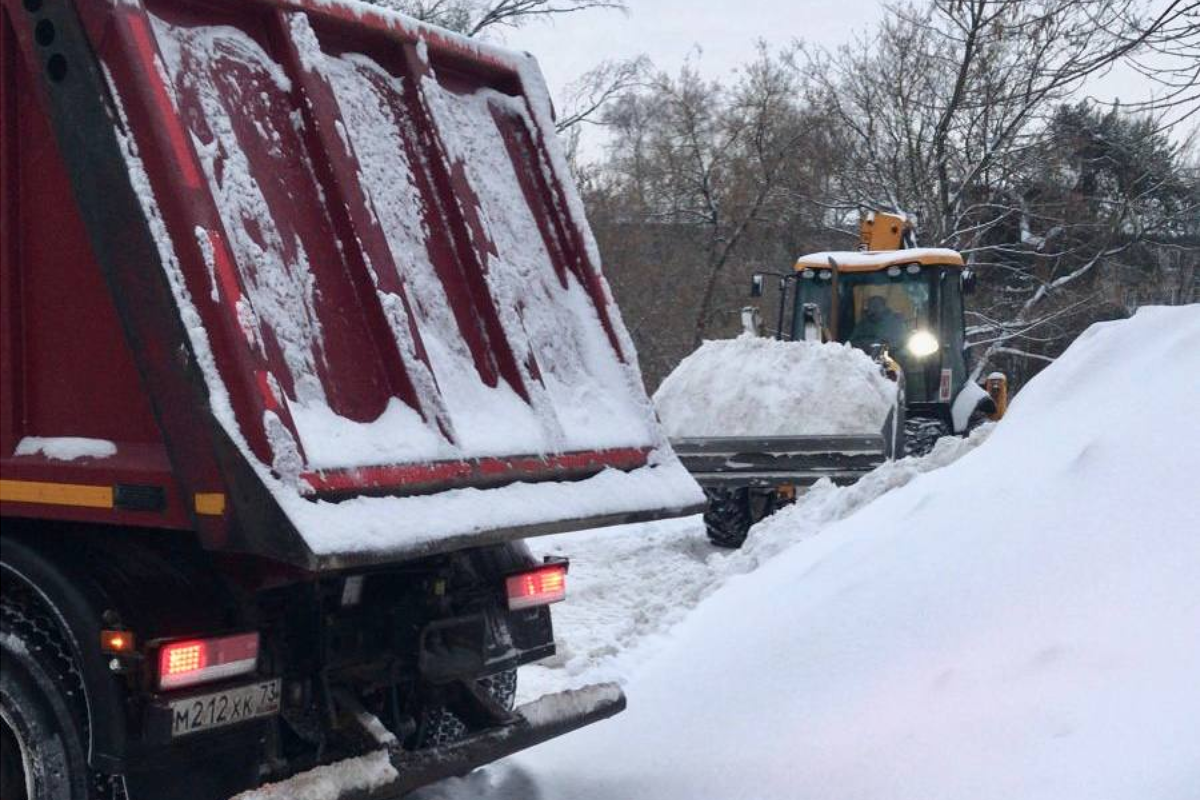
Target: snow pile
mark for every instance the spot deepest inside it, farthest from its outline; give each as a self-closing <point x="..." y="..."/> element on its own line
<point x="753" y="386"/>
<point x="65" y="448"/>
<point x="631" y="584"/>
<point x="1021" y="623"/>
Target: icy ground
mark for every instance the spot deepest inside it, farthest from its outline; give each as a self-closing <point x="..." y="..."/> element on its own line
<point x="1024" y="623"/>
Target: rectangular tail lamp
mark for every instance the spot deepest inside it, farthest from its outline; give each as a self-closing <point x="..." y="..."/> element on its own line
<point x="539" y="587"/>
<point x="195" y="661"/>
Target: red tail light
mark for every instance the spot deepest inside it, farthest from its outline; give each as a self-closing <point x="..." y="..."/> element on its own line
<point x="538" y="588"/>
<point x="203" y="660"/>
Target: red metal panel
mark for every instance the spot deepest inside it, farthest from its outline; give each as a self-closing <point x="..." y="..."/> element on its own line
<point x="416" y="478"/>
<point x="79" y="376"/>
<point x="10" y="321"/>
<point x="546" y="197"/>
<point x="65" y="366"/>
<point x="213" y="91"/>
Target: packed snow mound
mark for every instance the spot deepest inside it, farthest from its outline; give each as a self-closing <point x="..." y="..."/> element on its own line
<point x="1019" y="624"/>
<point x="753" y="386"/>
<point x="630" y="585"/>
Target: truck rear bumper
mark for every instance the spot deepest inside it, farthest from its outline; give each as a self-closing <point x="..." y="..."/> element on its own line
<point x="369" y="778"/>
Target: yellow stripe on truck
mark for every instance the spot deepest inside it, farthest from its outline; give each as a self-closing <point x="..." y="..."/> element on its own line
<point x="56" y="494"/>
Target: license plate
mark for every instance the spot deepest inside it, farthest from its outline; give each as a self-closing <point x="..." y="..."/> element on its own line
<point x="216" y="710"/>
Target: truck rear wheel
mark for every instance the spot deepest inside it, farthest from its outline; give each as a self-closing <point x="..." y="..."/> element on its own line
<point x="42" y="743"/>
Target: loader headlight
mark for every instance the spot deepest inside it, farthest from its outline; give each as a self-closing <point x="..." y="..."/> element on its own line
<point x="922" y="343"/>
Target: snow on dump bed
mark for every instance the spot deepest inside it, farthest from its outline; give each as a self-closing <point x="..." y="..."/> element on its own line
<point x="753" y="386"/>
<point x="278" y="267"/>
<point x="412" y="525"/>
<point x="65" y="448"/>
<point x="1019" y="624"/>
<point x="235" y="97"/>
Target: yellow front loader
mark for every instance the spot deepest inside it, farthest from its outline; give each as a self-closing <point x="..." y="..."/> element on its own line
<point x="903" y="306"/>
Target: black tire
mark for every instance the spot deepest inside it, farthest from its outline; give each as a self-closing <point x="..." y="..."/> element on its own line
<point x="728" y="517"/>
<point x="43" y="732"/>
<point x="440" y="727"/>
<point x="922" y="433"/>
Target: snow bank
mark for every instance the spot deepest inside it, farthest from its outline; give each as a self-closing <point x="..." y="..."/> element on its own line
<point x="753" y="386"/>
<point x="630" y="585"/>
<point x="1020" y="624"/>
<point x="65" y="448"/>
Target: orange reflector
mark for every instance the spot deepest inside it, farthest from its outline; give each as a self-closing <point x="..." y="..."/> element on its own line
<point x="538" y="588"/>
<point x="116" y="641"/>
<point x="210" y="504"/>
<point x="195" y="661"/>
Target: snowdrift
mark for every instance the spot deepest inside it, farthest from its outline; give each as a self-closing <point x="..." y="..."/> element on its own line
<point x="1020" y="624"/>
<point x="752" y="386"/>
<point x="633" y="584"/>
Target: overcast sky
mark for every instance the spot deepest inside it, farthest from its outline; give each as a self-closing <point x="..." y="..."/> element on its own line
<point x="718" y="34"/>
<point x="670" y="30"/>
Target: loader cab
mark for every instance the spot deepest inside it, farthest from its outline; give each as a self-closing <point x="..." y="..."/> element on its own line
<point x="906" y="302"/>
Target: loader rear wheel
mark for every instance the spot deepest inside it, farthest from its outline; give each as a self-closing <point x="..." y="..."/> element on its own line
<point x="728" y="518"/>
<point x="440" y="726"/>
<point x="921" y="434"/>
<point x="41" y="738"/>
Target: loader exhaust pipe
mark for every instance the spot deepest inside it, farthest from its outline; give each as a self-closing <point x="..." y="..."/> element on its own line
<point x="835" y="300"/>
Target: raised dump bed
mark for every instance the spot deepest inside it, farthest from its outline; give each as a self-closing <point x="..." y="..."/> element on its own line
<point x="302" y="329"/>
<point x="345" y="269"/>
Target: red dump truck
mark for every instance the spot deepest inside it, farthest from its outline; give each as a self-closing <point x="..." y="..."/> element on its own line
<point x="302" y="333"/>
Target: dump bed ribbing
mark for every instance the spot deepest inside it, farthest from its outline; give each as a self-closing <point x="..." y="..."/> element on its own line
<point x="360" y="234"/>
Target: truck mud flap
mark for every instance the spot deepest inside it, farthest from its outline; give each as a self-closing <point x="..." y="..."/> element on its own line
<point x="539" y="721"/>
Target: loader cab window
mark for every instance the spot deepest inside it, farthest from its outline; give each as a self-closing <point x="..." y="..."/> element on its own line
<point x="878" y="308"/>
<point x="814" y="302"/>
<point x="954" y="354"/>
<point x="888" y="308"/>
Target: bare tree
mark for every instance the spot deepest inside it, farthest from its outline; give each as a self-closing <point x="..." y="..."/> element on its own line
<point x="473" y="17"/>
<point x="1170" y="59"/>
<point x="711" y="162"/>
<point x="945" y="110"/>
<point x="586" y="97"/>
